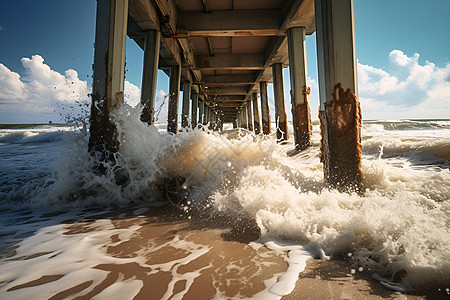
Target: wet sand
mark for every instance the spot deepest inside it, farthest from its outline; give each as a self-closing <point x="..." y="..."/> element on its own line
<point x="166" y="255"/>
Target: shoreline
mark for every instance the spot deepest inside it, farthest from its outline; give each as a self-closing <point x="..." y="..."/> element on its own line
<point x="156" y="253"/>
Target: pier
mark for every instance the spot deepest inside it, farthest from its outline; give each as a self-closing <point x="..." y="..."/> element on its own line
<point x="222" y="54"/>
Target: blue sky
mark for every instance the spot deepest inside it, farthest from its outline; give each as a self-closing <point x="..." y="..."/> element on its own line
<point x="403" y="50"/>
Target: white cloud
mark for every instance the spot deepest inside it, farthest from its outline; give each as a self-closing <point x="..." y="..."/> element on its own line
<point x="42" y="94"/>
<point x="161" y="107"/>
<point x="422" y="91"/>
<point x="132" y="94"/>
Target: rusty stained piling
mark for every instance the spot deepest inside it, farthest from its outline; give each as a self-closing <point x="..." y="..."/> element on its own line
<point x="149" y="75"/>
<point x="340" y="112"/>
<point x="256" y="124"/>
<point x="194" y="109"/>
<point x="244" y="117"/>
<point x="108" y="79"/>
<point x="174" y="91"/>
<point x="185" y="107"/>
<point x="201" y="111"/>
<point x="280" y="103"/>
<point x="301" y="114"/>
<point x="249" y="116"/>
<point x="265" y="112"/>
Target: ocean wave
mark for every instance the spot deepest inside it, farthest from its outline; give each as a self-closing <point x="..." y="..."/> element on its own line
<point x="398" y="227"/>
<point x="408" y="124"/>
<point x="25" y="137"/>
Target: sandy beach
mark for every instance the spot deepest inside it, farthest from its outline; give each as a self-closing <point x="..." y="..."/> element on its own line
<point x="160" y="253"/>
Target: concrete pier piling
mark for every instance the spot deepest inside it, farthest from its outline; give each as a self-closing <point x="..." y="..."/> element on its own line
<point x="201" y="112"/>
<point x="174" y="92"/>
<point x="301" y="114"/>
<point x="185" y="107"/>
<point x="280" y="103"/>
<point x="249" y="116"/>
<point x="149" y="75"/>
<point x="256" y="124"/>
<point x="194" y="110"/>
<point x="108" y="79"/>
<point x="265" y="112"/>
<point x="340" y="113"/>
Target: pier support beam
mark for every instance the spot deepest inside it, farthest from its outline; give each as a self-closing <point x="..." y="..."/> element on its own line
<point x="301" y="114"/>
<point x="265" y="112"/>
<point x="280" y="103"/>
<point x="149" y="75"/>
<point x="244" y="117"/>
<point x="256" y="113"/>
<point x="249" y="116"/>
<point x="185" y="107"/>
<point x="194" y="109"/>
<point x="340" y="113"/>
<point x="206" y="117"/>
<point x="109" y="73"/>
<point x="201" y="111"/>
<point x="174" y="92"/>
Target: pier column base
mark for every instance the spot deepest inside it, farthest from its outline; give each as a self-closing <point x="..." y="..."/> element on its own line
<point x="149" y="75"/>
<point x="340" y="112"/>
<point x="301" y="119"/>
<point x="185" y="107"/>
<point x="256" y="113"/>
<point x="249" y="116"/>
<point x="340" y="125"/>
<point x="194" y="110"/>
<point x="301" y="114"/>
<point x="265" y="112"/>
<point x="108" y="79"/>
<point x="280" y="103"/>
<point x="174" y="92"/>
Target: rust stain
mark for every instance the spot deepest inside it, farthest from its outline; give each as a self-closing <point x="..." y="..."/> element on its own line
<point x="341" y="140"/>
<point x="243" y="33"/>
<point x="266" y="126"/>
<point x="301" y="115"/>
<point x="147" y="114"/>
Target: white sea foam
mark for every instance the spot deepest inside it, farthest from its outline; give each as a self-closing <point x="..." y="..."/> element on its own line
<point x="397" y="228"/>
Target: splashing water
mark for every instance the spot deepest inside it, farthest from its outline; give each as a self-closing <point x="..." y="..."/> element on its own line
<point x="398" y="229"/>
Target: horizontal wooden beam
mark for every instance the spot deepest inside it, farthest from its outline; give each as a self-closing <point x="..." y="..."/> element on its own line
<point x="230" y="61"/>
<point x="219" y="98"/>
<point x="210" y="80"/>
<point x="228" y="90"/>
<point x="264" y="22"/>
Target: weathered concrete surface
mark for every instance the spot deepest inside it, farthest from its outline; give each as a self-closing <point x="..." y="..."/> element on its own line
<point x="185" y="107"/>
<point x="301" y="115"/>
<point x="256" y="124"/>
<point x="249" y="116"/>
<point x="340" y="125"/>
<point x="149" y="75"/>
<point x="194" y="110"/>
<point x="109" y="72"/>
<point x="174" y="90"/>
<point x="265" y="113"/>
<point x="301" y="119"/>
<point x="280" y="103"/>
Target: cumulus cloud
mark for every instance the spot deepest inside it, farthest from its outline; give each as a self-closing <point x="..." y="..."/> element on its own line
<point x="42" y="94"/>
<point x="161" y="107"/>
<point x="415" y="91"/>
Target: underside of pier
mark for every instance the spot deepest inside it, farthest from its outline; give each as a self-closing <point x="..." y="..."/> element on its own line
<point x="223" y="53"/>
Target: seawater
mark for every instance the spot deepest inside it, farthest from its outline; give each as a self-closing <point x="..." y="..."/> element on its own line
<point x="397" y="229"/>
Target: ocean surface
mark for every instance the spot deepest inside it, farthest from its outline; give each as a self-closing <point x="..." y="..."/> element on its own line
<point x="398" y="229"/>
